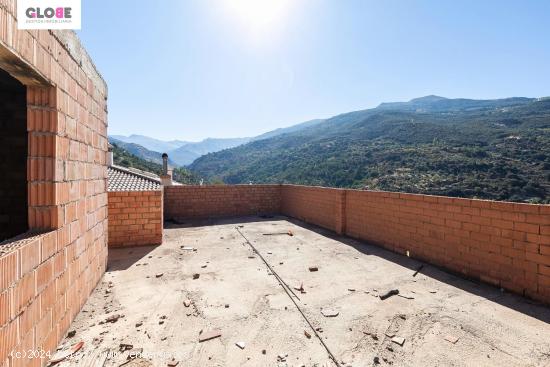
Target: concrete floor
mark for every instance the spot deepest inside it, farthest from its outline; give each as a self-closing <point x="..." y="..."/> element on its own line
<point x="236" y="294"/>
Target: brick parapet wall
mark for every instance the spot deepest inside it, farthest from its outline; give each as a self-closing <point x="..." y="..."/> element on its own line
<point x="135" y="218"/>
<point x="46" y="278"/>
<point x="220" y="201"/>
<point x="502" y="243"/>
<point x="319" y="205"/>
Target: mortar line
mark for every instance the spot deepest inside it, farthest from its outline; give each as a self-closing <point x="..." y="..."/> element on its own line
<point x="292" y="299"/>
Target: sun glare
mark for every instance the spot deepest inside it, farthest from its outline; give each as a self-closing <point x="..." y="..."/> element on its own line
<point x="259" y="15"/>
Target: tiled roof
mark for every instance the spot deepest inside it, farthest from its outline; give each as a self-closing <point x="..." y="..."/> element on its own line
<point x="130" y="179"/>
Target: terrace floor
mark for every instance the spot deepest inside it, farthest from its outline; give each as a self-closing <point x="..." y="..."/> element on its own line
<point x="237" y="294"/>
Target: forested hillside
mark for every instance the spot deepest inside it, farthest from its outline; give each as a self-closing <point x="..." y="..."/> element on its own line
<point x="124" y="158"/>
<point x="496" y="149"/>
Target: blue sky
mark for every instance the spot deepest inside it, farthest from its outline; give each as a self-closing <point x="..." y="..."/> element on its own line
<point x="191" y="69"/>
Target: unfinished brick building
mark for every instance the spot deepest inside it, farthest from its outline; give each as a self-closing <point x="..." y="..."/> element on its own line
<point x="135" y="208"/>
<point x="58" y="215"/>
<point x="53" y="200"/>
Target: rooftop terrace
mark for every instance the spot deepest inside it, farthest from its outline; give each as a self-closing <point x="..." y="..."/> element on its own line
<point x="60" y="228"/>
<point x="159" y="306"/>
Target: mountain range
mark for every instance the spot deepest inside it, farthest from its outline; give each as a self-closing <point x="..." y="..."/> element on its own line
<point x="494" y="149"/>
<point x="182" y="153"/>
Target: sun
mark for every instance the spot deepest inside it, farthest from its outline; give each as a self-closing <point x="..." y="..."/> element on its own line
<point x="259" y="15"/>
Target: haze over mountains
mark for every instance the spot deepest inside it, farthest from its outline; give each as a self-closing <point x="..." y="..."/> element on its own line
<point x="182" y="153"/>
<point x="494" y="149"/>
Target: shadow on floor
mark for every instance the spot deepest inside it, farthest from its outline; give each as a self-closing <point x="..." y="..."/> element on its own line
<point x="189" y="223"/>
<point x="493" y="294"/>
<point x="124" y="257"/>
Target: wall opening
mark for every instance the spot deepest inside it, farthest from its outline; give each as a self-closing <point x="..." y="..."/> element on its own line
<point x="13" y="157"/>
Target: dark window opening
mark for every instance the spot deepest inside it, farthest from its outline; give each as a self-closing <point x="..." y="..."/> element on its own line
<point x="13" y="157"/>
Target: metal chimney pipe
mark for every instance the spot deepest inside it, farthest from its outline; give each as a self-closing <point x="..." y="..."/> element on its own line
<point x="166" y="176"/>
<point x="110" y="156"/>
<point x="164" y="163"/>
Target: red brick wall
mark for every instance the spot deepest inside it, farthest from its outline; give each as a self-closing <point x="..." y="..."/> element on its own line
<point x="319" y="205"/>
<point x="46" y="278"/>
<point x="220" y="201"/>
<point x="135" y="218"/>
<point x="505" y="244"/>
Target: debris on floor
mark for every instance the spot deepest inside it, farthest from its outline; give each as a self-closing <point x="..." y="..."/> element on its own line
<point x="418" y="270"/>
<point x="329" y="312"/>
<point x="308" y="335"/>
<point x="188" y="248"/>
<point x="388" y="294"/>
<point x="313" y="268"/>
<point x="240" y="344"/>
<point x="187" y="303"/>
<point x="209" y="335"/>
<point x="398" y="340"/>
<point x="158" y="275"/>
<point x="63" y="354"/>
<point x="406" y="295"/>
<point x="288" y="233"/>
<point x="113" y="318"/>
<point x="196" y="276"/>
<point x="137" y="362"/>
<point x="124" y="347"/>
<point x="301" y="288"/>
<point x="451" y="338"/>
<point x="134" y="353"/>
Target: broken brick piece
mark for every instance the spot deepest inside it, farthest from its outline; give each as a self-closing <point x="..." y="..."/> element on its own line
<point x="212" y="334"/>
<point x="398" y="340"/>
<point x="328" y="312"/>
<point x="389" y="293"/>
<point x="451" y="339"/>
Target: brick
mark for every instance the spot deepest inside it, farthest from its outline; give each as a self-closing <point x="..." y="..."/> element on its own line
<point x="9" y="338"/>
<point x="538" y="258"/>
<point x="28" y="318"/>
<point x="44" y="275"/>
<point x="49" y="245"/>
<point x="6" y="307"/>
<point x="526" y="227"/>
<point x="9" y="270"/>
<point x="543" y="269"/>
<point x="44" y="327"/>
<point x="544" y="280"/>
<point x="29" y="255"/>
<point x="25" y="291"/>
